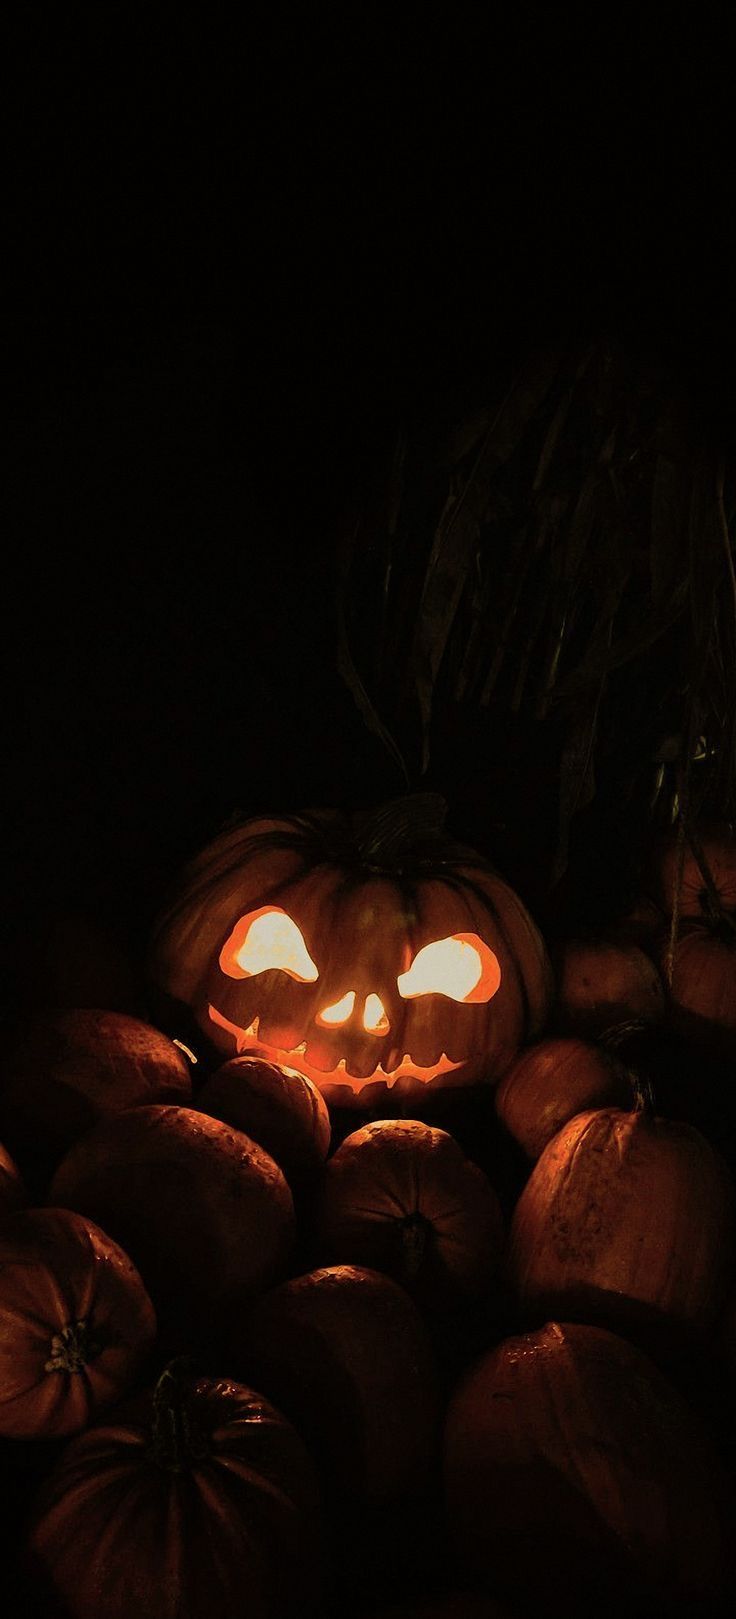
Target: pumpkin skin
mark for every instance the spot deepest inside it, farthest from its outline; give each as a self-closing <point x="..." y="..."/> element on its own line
<point x="13" y="1194"/>
<point x="68" y="1069"/>
<point x="401" y="1197"/>
<point x="625" y="1219"/>
<point x="578" y="1478"/>
<point x="552" y="1081"/>
<point x="226" y="1527"/>
<point x="276" y="1106"/>
<point x="363" y="913"/>
<point x="344" y="1353"/>
<point x="703" y="988"/>
<point x="718" y="845"/>
<point x="204" y="1212"/>
<point x="77" y="1323"/>
<point x="605" y="981"/>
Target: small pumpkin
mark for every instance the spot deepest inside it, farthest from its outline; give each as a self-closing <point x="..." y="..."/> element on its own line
<point x="605" y="981"/>
<point x="276" y="1106"/>
<point x="703" y="986"/>
<point x="66" y="1069"/>
<point x="368" y="951"/>
<point x="77" y="1323"/>
<point x="627" y="1219"/>
<point x="343" y="1351"/>
<point x="550" y="1082"/>
<point x="699" y="893"/>
<point x="198" y="1501"/>
<point x="205" y="1213"/>
<point x="578" y="1480"/>
<point x="401" y="1197"/>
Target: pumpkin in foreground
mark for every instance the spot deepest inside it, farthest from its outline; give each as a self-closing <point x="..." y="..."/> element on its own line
<point x="579" y="1479"/>
<point x="345" y="1354"/>
<point x="367" y="951"/>
<point x="198" y="1501"/>
<point x="205" y="1213"/>
<point x="626" y="1219"/>
<point x="402" y="1197"/>
<point x="76" y="1323"/>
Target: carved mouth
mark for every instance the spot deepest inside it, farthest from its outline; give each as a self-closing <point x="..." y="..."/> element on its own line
<point x="247" y="1042"/>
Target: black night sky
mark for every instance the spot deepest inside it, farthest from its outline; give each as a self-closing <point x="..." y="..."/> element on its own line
<point x="234" y="267"/>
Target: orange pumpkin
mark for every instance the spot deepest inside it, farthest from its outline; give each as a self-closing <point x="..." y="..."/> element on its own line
<point x="344" y="1353"/>
<point x="626" y="1219"/>
<point x="703" y="987"/>
<point x="368" y="951"/>
<point x="67" y="1069"/>
<point x="196" y="1502"/>
<point x="717" y="847"/>
<point x="77" y="1323"/>
<point x="579" y="1482"/>
<point x="403" y="1198"/>
<point x="552" y="1081"/>
<point x="276" y="1106"/>
<point x="204" y="1212"/>
<point x="601" y="982"/>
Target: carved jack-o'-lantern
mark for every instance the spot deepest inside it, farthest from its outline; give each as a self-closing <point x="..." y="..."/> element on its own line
<point x="366" y="951"/>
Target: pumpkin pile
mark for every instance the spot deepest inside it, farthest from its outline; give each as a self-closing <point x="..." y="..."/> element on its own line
<point x="371" y="1272"/>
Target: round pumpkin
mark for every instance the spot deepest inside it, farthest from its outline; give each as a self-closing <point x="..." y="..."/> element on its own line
<point x="717" y="846"/>
<point x="205" y="1213"/>
<point x="552" y="1081"/>
<point x="77" y="1323"/>
<point x="605" y="981"/>
<point x="67" y="1069"/>
<point x="401" y="1197"/>
<point x="344" y="1352"/>
<point x="703" y="988"/>
<point x="13" y="1194"/>
<point x="198" y="1501"/>
<point x="276" y="1106"/>
<point x="368" y="951"/>
<point x="579" y="1482"/>
<point x="626" y="1219"/>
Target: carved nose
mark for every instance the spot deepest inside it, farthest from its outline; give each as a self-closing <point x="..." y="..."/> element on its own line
<point x="371" y="1016"/>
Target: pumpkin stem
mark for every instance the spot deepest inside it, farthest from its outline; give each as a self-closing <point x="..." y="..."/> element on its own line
<point x="643" y="1091"/>
<point x="72" y="1348"/>
<point x="414" y="1230"/>
<point x="403" y="826"/>
<point x="177" y="1441"/>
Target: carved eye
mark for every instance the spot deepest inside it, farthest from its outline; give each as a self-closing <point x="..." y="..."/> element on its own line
<point x="263" y="940"/>
<point x="462" y="967"/>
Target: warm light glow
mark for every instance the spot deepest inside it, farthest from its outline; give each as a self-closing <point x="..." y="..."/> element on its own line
<point x="375" y="1020"/>
<point x="264" y="940"/>
<point x="462" y="967"/>
<point x="246" y="1041"/>
<point x="340" y="1012"/>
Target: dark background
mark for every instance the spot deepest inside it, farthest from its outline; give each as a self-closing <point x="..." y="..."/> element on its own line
<point x="235" y="265"/>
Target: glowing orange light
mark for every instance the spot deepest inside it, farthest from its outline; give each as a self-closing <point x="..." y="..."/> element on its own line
<point x="266" y="939"/>
<point x="340" y="1012"/>
<point x="462" y="967"/>
<point x="375" y="1020"/>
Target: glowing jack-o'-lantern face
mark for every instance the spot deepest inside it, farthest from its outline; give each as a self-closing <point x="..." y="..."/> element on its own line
<point x="361" y="980"/>
<point x="361" y="1035"/>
